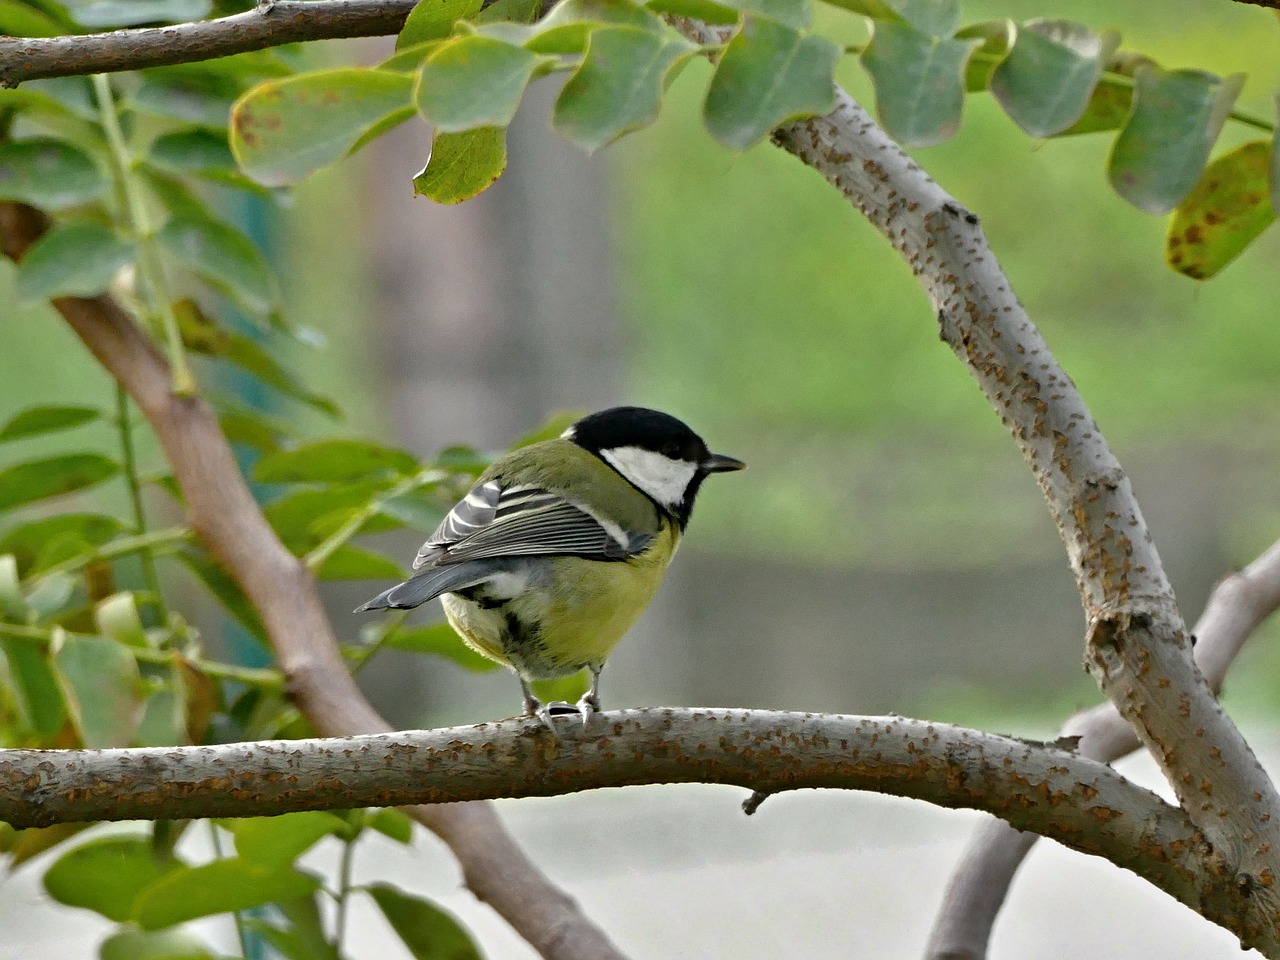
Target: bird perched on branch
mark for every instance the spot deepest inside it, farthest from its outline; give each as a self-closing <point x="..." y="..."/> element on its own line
<point x="559" y="547"/>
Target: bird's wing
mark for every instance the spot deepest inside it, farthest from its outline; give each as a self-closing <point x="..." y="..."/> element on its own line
<point x="493" y="521"/>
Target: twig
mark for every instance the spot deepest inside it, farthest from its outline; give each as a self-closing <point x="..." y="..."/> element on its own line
<point x="980" y="883"/>
<point x="224" y="515"/>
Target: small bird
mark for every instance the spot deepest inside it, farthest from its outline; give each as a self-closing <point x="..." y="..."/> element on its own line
<point x="559" y="547"/>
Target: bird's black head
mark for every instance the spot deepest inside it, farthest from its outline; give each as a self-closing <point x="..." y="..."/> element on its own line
<point x="655" y="452"/>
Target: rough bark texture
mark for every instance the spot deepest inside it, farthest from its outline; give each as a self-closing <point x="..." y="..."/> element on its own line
<point x="223" y="513"/>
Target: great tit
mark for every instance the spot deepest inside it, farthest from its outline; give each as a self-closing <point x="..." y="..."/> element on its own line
<point x="559" y="547"/>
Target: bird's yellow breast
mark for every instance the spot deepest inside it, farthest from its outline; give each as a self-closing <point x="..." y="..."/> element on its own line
<point x="573" y="622"/>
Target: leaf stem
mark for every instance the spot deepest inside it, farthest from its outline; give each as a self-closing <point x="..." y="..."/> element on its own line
<point x="241" y="933"/>
<point x="135" y="208"/>
<point x="129" y="455"/>
<point x="316" y="558"/>
<point x="149" y="542"/>
<point x="344" y="894"/>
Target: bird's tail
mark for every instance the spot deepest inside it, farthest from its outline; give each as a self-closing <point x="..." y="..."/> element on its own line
<point x="430" y="583"/>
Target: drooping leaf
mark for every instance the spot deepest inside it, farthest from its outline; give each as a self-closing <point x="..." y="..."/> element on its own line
<point x="36" y="690"/>
<point x="37" y="420"/>
<point x="155" y="945"/>
<point x="392" y="823"/>
<point x="334" y="461"/>
<point x="283" y="130"/>
<point x="51" y="477"/>
<point x="462" y="165"/>
<point x="106" y="875"/>
<point x="222" y="255"/>
<point x="275" y="842"/>
<point x="440" y="640"/>
<point x="434" y="20"/>
<point x="429" y="932"/>
<point x="938" y="18"/>
<point x="919" y="81"/>
<point x="473" y="81"/>
<point x="218" y="887"/>
<point x="350" y="562"/>
<point x="618" y="86"/>
<point x="48" y="173"/>
<point x="769" y="73"/>
<point x="73" y="260"/>
<point x="1176" y="118"/>
<point x="1226" y="211"/>
<point x="102" y="687"/>
<point x="1046" y="80"/>
<point x="37" y="542"/>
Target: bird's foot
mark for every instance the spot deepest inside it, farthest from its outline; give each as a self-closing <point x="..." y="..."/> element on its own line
<point x="547" y="712"/>
<point x="588" y="704"/>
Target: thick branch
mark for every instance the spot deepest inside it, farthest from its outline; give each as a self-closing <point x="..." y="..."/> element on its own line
<point x="1137" y="646"/>
<point x="1084" y="804"/>
<point x="962" y="930"/>
<point x="223" y="512"/>
<point x="268" y="25"/>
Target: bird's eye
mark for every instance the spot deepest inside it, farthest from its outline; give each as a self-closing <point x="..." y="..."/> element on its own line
<point x="671" y="450"/>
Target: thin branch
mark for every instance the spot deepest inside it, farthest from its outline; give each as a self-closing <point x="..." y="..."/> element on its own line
<point x="226" y="518"/>
<point x="1084" y="804"/>
<point x="1238" y="606"/>
<point x="267" y="25"/>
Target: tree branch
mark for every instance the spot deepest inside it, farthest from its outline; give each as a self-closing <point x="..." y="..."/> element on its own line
<point x="1042" y="787"/>
<point x="267" y="25"/>
<point x="1238" y="606"/>
<point x="224" y="515"/>
<point x="1136" y="644"/>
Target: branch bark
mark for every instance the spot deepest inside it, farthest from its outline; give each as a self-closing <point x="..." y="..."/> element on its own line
<point x="1238" y="606"/>
<point x="225" y="516"/>
<point x="267" y="25"/>
<point x="1042" y="787"/>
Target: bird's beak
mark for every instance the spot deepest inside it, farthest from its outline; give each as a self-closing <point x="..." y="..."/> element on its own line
<point x="719" y="463"/>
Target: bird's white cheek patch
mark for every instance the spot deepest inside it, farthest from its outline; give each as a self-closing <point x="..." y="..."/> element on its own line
<point x="662" y="478"/>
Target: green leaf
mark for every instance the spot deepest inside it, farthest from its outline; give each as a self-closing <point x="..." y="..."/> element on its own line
<point x="35" y="687"/>
<point x="223" y="256"/>
<point x="37" y="420"/>
<point x="462" y="165"/>
<point x="11" y="599"/>
<point x="253" y="428"/>
<point x="797" y="14"/>
<point x="41" y="543"/>
<point x="21" y="20"/>
<point x="618" y="86"/>
<point x="202" y="98"/>
<point x="219" y="583"/>
<point x="434" y="20"/>
<point x="48" y="173"/>
<point x="193" y="151"/>
<point x="275" y="842"/>
<point x="355" y="563"/>
<point x="1048" y="77"/>
<point x="410" y="59"/>
<point x="218" y="887"/>
<point x="163" y="722"/>
<point x="154" y="945"/>
<point x="1161" y="151"/>
<point x="510" y="11"/>
<point x="768" y="74"/>
<point x="392" y="823"/>
<point x="473" y="81"/>
<point x="283" y="130"/>
<point x="566" y="29"/>
<point x="414" y="510"/>
<point x="1112" y="98"/>
<point x="919" y="81"/>
<point x="106" y="875"/>
<point x="103" y="689"/>
<point x="38" y="479"/>
<point x="302" y="518"/>
<point x="938" y="18"/>
<point x="117" y="618"/>
<point x="1226" y="212"/>
<point x="131" y="13"/>
<point x="51" y="594"/>
<point x="74" y="260"/>
<point x="995" y="37"/>
<point x="428" y="931"/>
<point x="334" y="461"/>
<point x="441" y="640"/>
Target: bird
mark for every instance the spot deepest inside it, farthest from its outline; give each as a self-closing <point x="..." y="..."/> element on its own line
<point x="559" y="546"/>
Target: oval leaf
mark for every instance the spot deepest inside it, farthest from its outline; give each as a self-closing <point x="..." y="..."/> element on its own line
<point x="1046" y="80"/>
<point x="768" y="74"/>
<point x="73" y="260"/>
<point x="197" y="151"/>
<point x="1225" y="212"/>
<point x="48" y="173"/>
<point x="117" y="618"/>
<point x="37" y="694"/>
<point x="106" y="875"/>
<point x="283" y="130"/>
<point x="919" y="81"/>
<point x="473" y="81"/>
<point x="222" y="255"/>
<point x="219" y="887"/>
<point x="428" y="931"/>
<point x="1177" y="115"/>
<point x="797" y="14"/>
<point x="569" y="25"/>
<point x="355" y="563"/>
<point x="103" y="690"/>
<point x="154" y="945"/>
<point x="434" y="20"/>
<point x="41" y="543"/>
<point x="37" y="479"/>
<point x="277" y="841"/>
<point x="618" y="86"/>
<point x="36" y="420"/>
<point x="334" y="461"/>
<point x="462" y="165"/>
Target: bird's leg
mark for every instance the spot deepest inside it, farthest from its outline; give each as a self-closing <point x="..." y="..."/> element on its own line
<point x="589" y="703"/>
<point x="533" y="707"/>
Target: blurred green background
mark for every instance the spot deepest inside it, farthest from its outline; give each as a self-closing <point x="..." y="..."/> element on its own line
<point x="888" y="549"/>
